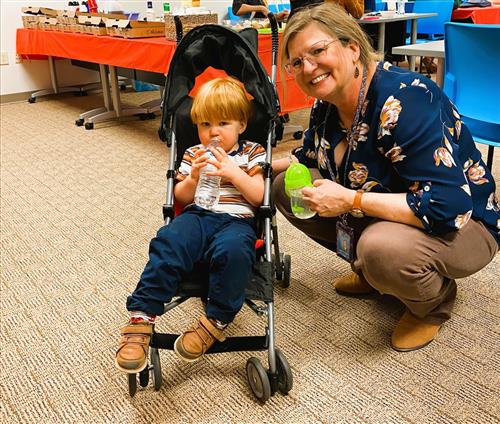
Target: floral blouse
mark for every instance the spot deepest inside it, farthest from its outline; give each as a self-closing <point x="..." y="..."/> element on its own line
<point x="409" y="139"/>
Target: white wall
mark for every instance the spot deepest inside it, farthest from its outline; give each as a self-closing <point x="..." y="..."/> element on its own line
<point x="34" y="75"/>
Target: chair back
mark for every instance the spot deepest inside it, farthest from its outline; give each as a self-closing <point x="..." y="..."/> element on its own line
<point x="433" y="27"/>
<point x="471" y="81"/>
<point x="230" y="15"/>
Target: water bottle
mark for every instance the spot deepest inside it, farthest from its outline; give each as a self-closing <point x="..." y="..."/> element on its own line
<point x="150" y="14"/>
<point x="297" y="176"/>
<point x="208" y="188"/>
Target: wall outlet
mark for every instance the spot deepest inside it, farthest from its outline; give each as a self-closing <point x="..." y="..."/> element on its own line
<point x="19" y="59"/>
<point x="4" y="58"/>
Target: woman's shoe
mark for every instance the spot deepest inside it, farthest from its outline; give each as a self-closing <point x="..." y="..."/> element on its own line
<point x="412" y="334"/>
<point x="352" y="285"/>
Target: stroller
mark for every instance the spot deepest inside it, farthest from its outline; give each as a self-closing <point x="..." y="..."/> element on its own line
<point x="224" y="49"/>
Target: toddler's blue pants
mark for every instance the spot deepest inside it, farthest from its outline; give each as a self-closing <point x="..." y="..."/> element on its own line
<point x="225" y="242"/>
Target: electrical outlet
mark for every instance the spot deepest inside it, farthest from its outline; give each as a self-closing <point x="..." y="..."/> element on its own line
<point x="19" y="59"/>
<point x="4" y="59"/>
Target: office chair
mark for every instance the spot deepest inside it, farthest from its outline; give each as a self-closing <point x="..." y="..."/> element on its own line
<point x="431" y="29"/>
<point x="472" y="54"/>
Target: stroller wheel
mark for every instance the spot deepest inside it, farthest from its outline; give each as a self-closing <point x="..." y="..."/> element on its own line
<point x="258" y="379"/>
<point x="285" y="377"/>
<point x="132" y="384"/>
<point x="155" y="362"/>
<point x="287" y="269"/>
<point x="144" y="377"/>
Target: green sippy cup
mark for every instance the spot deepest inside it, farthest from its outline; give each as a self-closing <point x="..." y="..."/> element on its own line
<point x="297" y="176"/>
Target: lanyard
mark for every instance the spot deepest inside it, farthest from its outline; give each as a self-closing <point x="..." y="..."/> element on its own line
<point x="350" y="133"/>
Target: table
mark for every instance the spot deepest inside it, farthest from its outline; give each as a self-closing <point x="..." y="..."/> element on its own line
<point x="431" y="49"/>
<point x="394" y="17"/>
<point x="478" y="15"/>
<point x="146" y="54"/>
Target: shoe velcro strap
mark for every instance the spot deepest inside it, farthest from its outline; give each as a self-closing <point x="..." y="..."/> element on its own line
<point x="138" y="329"/>
<point x="212" y="329"/>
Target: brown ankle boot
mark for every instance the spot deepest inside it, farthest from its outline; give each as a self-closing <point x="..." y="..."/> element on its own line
<point x="132" y="355"/>
<point x="411" y="333"/>
<point x="351" y="285"/>
<point x="196" y="341"/>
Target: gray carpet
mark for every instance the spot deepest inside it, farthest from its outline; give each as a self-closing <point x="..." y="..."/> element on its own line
<point x="78" y="210"/>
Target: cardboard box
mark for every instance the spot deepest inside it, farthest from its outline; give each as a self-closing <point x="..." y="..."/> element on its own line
<point x="47" y="23"/>
<point x="92" y="24"/>
<point x="30" y="21"/>
<point x="31" y="10"/>
<point x="103" y="15"/>
<point x="66" y="17"/>
<point x="134" y="29"/>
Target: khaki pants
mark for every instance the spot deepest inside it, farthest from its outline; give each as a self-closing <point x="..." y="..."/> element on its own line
<point x="404" y="261"/>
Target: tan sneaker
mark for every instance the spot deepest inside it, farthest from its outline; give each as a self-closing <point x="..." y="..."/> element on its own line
<point x="411" y="333"/>
<point x="352" y="285"/>
<point x="196" y="341"/>
<point x="132" y="355"/>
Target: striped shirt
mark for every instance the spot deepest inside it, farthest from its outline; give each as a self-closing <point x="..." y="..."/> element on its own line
<point x="231" y="201"/>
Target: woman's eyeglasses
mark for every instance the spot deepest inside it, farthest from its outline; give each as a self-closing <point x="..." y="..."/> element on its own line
<point x="296" y="65"/>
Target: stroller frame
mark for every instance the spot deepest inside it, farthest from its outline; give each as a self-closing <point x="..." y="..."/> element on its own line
<point x="278" y="377"/>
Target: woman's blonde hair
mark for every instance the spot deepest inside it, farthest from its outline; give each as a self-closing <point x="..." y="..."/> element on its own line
<point x="221" y="98"/>
<point x="333" y="20"/>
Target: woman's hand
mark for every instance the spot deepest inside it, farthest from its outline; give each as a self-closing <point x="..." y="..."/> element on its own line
<point x="328" y="198"/>
<point x="283" y="15"/>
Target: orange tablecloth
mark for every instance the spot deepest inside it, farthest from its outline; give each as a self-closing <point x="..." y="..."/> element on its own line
<point x="479" y="15"/>
<point x="147" y="54"/>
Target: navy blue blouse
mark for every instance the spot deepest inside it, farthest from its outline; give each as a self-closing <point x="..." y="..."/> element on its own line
<point x="410" y="139"/>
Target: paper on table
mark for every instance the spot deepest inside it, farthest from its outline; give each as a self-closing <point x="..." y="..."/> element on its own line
<point x="391" y="5"/>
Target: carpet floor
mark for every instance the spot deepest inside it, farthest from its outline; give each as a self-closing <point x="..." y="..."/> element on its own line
<point x="78" y="209"/>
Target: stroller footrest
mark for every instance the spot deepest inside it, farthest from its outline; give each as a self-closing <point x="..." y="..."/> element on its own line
<point x="231" y="344"/>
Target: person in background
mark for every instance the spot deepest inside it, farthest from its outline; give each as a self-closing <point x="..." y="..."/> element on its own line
<point x="397" y="174"/>
<point x="259" y="9"/>
<point x="354" y="7"/>
<point x="223" y="237"/>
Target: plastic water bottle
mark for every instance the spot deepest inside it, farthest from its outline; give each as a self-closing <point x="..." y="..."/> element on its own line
<point x="208" y="188"/>
<point x="150" y="14"/>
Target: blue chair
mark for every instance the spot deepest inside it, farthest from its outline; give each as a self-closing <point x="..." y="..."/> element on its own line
<point x="431" y="28"/>
<point x="375" y="5"/>
<point x="283" y="6"/>
<point x="472" y="54"/>
<point x="231" y="15"/>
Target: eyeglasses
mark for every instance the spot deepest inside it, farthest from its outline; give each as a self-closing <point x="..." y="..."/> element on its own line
<point x="296" y="65"/>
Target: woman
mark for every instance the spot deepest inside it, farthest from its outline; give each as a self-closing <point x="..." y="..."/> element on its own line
<point x="397" y="171"/>
<point x="259" y="8"/>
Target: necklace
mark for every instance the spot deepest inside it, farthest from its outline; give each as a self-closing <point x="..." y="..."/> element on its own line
<point x="349" y="133"/>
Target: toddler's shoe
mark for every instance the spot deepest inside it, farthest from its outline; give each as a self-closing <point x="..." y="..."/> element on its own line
<point x="191" y="345"/>
<point x="132" y="355"/>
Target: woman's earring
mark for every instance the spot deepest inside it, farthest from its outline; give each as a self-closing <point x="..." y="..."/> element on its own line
<point x="356" y="72"/>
